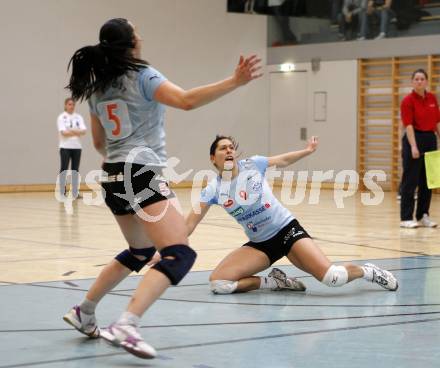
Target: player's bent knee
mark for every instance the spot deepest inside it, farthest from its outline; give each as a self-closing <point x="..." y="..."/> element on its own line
<point x="335" y="276"/>
<point x="223" y="286"/>
<point x="176" y="262"/>
<point x="128" y="257"/>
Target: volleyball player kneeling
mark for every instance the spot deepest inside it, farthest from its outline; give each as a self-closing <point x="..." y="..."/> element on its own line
<point x="273" y="232"/>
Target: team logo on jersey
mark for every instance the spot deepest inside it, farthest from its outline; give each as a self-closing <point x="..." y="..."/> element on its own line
<point x="243" y="194"/>
<point x="267" y="205"/>
<point x="256" y="186"/>
<point x="254" y="213"/>
<point x="237" y="212"/>
<point x="251" y="226"/>
<point x="228" y="203"/>
<point x="247" y="164"/>
<point x="263" y="222"/>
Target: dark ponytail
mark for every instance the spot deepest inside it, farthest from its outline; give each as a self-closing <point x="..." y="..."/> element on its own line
<point x="94" y="68"/>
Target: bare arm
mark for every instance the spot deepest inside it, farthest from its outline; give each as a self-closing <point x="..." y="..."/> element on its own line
<point x="73" y="132"/>
<point x="438" y="130"/>
<point x="98" y="135"/>
<point x="172" y="95"/>
<point x="412" y="141"/>
<point x="80" y="132"/>
<point x="193" y="219"/>
<point x="289" y="158"/>
<point x="68" y="133"/>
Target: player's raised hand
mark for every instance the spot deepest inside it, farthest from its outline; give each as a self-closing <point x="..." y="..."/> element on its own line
<point x="312" y="144"/>
<point x="247" y="69"/>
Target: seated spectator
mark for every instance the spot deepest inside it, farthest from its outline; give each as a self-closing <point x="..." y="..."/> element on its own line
<point x="407" y="12"/>
<point x="249" y="6"/>
<point x="288" y="37"/>
<point x="376" y="8"/>
<point x="349" y="18"/>
<point x="336" y="10"/>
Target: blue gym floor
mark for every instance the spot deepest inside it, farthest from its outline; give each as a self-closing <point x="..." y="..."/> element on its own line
<point x="358" y="325"/>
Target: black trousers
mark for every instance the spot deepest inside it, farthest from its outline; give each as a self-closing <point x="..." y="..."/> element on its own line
<point x="283" y="23"/>
<point x="72" y="156"/>
<point x="349" y="30"/>
<point x="414" y="175"/>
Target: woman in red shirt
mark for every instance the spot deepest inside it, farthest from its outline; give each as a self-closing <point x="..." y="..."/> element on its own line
<point x="421" y="117"/>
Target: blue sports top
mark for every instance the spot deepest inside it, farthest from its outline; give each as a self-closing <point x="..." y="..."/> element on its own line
<point x="132" y="119"/>
<point x="249" y="200"/>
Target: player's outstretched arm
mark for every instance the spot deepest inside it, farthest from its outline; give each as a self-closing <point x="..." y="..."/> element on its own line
<point x="171" y="94"/>
<point x="289" y="158"/>
<point x="193" y="218"/>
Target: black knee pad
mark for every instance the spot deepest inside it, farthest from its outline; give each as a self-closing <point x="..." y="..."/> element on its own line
<point x="182" y="258"/>
<point x="128" y="259"/>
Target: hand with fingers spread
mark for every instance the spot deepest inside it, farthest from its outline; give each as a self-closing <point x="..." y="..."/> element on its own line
<point x="312" y="144"/>
<point x="247" y="69"/>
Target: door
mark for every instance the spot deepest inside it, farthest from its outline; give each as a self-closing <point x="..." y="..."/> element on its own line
<point x="288" y="115"/>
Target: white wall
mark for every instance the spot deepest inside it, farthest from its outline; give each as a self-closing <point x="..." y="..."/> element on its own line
<point x="191" y="41"/>
<point x="388" y="47"/>
<point x="338" y="134"/>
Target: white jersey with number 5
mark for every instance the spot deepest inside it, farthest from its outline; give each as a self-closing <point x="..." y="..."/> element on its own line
<point x="132" y="119"/>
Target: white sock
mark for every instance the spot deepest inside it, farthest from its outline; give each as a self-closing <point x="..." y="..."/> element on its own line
<point x="368" y="273"/>
<point x="87" y="306"/>
<point x="128" y="318"/>
<point x="268" y="283"/>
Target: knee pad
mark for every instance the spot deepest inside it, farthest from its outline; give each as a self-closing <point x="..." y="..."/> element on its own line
<point x="128" y="259"/>
<point x="223" y="286"/>
<point x="335" y="276"/>
<point x="176" y="262"/>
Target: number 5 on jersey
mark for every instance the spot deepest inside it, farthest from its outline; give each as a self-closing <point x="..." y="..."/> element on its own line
<point x="115" y="119"/>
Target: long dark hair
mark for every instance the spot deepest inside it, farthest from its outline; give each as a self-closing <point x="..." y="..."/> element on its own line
<point x="94" y="68"/>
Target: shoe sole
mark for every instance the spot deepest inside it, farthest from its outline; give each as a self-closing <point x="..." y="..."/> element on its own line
<point x="302" y="287"/>
<point x="110" y="339"/>
<point x="375" y="267"/>
<point x="93" y="335"/>
<point x="137" y="353"/>
<point x="415" y="226"/>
